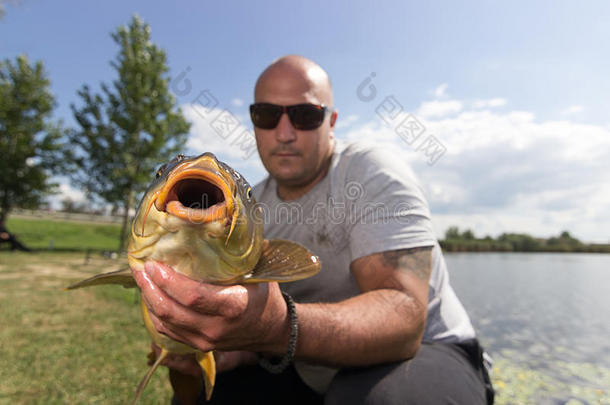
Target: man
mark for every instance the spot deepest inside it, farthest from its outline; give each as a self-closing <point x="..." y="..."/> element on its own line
<point x="6" y="237"/>
<point x="380" y="322"/>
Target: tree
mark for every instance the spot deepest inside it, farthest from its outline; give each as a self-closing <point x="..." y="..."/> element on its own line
<point x="71" y="206"/>
<point x="2" y="3"/>
<point x="452" y="232"/>
<point x="128" y="129"/>
<point x="30" y="144"/>
<point x="468" y="235"/>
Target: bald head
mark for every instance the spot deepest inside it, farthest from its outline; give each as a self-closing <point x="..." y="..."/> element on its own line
<point x="296" y="158"/>
<point x="297" y="76"/>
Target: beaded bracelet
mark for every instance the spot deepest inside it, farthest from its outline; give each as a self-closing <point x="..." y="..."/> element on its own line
<point x="277" y="368"/>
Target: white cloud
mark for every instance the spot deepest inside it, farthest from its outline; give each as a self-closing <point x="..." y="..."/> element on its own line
<point x="508" y="171"/>
<point x="489" y="103"/>
<point x="215" y="130"/>
<point x="212" y="130"/>
<point x="345" y="122"/>
<point x="431" y="109"/>
<point x="226" y="135"/>
<point x="237" y="102"/>
<point x="441" y="91"/>
<point x="573" y="109"/>
<point x="503" y="171"/>
<point x="67" y="191"/>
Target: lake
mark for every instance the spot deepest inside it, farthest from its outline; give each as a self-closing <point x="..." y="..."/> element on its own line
<point x="544" y="318"/>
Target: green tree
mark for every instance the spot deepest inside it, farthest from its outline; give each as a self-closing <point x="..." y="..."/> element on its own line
<point x="520" y="242"/>
<point x="131" y="127"/>
<point x="452" y="232"/>
<point x="2" y="6"/>
<point x="468" y="235"/>
<point x="30" y="144"/>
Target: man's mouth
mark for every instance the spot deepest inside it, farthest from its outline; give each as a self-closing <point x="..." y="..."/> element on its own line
<point x="285" y="154"/>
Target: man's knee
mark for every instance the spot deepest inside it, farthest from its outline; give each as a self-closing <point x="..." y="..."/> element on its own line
<point x="438" y="374"/>
<point x="369" y="385"/>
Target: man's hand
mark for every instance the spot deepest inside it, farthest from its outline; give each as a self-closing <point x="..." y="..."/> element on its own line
<point x="227" y="361"/>
<point x="384" y="323"/>
<point x="249" y="317"/>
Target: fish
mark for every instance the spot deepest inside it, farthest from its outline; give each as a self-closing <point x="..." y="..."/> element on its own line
<point x="199" y="217"/>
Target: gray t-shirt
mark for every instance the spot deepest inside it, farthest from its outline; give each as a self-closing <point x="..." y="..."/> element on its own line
<point x="369" y="202"/>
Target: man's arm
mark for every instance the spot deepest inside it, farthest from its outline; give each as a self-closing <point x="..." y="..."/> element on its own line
<point x="384" y="323"/>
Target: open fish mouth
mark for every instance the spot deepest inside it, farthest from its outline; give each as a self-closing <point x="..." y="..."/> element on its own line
<point x="196" y="195"/>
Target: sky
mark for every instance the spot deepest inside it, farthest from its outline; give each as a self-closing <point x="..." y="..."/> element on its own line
<point x="501" y="108"/>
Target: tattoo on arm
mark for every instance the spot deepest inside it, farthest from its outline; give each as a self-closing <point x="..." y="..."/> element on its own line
<point x="416" y="260"/>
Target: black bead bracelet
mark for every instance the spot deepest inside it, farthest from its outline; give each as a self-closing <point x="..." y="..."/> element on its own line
<point x="279" y="367"/>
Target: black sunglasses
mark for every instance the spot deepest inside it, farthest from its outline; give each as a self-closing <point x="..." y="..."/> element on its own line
<point x="304" y="117"/>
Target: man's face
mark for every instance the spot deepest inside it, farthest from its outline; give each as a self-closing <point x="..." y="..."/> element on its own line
<point x="293" y="157"/>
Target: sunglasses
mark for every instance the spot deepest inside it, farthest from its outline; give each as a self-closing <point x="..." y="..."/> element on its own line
<point x="304" y="117"/>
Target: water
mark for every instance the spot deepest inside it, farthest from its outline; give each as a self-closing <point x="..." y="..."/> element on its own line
<point x="541" y="316"/>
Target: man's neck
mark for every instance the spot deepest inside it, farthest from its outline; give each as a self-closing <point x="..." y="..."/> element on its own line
<point x="290" y="193"/>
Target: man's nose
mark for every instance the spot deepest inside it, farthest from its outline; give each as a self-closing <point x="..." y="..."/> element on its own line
<point x="285" y="132"/>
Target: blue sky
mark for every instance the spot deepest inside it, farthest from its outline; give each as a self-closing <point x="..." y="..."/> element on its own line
<point x="517" y="93"/>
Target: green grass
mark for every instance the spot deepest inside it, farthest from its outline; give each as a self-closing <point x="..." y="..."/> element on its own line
<point x="84" y="346"/>
<point x="89" y="346"/>
<point x="65" y="235"/>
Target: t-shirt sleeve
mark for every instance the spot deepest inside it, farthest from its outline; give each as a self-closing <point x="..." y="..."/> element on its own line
<point x="388" y="205"/>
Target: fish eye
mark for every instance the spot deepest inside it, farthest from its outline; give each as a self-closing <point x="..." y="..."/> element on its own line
<point x="160" y="171"/>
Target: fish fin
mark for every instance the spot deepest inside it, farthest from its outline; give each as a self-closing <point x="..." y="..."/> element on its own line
<point x="122" y="277"/>
<point x="208" y="365"/>
<point x="151" y="370"/>
<point x="150" y="204"/>
<point x="233" y="222"/>
<point x="283" y="260"/>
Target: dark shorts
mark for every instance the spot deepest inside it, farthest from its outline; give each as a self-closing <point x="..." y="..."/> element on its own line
<point x="438" y="374"/>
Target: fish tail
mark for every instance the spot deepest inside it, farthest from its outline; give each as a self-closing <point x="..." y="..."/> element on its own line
<point x="149" y="374"/>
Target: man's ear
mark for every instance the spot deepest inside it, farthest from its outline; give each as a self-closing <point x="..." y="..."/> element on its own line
<point x="333" y="118"/>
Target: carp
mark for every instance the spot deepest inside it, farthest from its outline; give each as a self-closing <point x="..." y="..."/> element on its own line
<point x="200" y="218"/>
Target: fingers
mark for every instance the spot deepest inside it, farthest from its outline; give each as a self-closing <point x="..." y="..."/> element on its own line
<point x="195" y="339"/>
<point x="206" y="316"/>
<point x="229" y="360"/>
<point x="225" y="301"/>
<point x="165" y="308"/>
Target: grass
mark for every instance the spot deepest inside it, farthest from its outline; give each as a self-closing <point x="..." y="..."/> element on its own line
<point x="44" y="234"/>
<point x="84" y="346"/>
<point x="89" y="346"/>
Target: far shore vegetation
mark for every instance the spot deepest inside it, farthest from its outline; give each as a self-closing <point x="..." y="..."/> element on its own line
<point x="465" y="241"/>
<point x="47" y="234"/>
